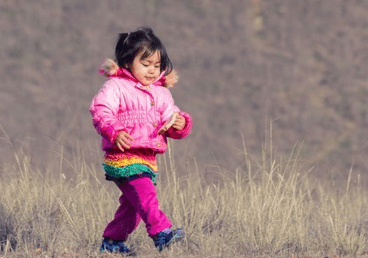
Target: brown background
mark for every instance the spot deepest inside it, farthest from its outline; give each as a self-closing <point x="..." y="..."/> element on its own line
<point x="300" y="67"/>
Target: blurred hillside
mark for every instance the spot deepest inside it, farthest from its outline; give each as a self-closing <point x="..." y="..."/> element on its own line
<point x="300" y="67"/>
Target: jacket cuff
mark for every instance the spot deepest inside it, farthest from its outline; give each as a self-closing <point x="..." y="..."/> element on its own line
<point x="180" y="134"/>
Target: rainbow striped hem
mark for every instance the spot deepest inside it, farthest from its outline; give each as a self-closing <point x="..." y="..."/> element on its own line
<point x="130" y="170"/>
<point x="130" y="163"/>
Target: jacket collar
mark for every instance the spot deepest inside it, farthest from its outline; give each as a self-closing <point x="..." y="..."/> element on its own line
<point x="110" y="69"/>
<point x="124" y="73"/>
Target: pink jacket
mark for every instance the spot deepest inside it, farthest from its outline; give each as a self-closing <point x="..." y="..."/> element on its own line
<point x="124" y="104"/>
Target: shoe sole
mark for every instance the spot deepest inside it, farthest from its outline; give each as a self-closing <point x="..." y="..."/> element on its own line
<point x="105" y="250"/>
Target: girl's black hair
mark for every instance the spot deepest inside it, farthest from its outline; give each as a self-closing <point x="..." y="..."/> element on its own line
<point x="143" y="40"/>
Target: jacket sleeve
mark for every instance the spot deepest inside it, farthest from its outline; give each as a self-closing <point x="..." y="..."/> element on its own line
<point x="104" y="110"/>
<point x="167" y="114"/>
<point x="180" y="134"/>
<point x="169" y="107"/>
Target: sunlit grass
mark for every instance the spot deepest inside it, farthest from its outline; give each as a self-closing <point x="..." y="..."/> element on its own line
<point x="271" y="207"/>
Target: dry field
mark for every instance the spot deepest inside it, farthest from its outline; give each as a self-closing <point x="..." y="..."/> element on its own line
<point x="271" y="209"/>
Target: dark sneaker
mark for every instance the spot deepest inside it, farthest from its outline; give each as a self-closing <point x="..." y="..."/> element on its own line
<point x="166" y="237"/>
<point x="114" y="246"/>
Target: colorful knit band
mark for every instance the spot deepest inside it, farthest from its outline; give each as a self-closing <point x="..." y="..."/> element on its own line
<point x="128" y="171"/>
<point x="131" y="161"/>
<point x="129" y="157"/>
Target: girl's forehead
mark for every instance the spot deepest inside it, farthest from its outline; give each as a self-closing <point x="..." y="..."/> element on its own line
<point x="155" y="56"/>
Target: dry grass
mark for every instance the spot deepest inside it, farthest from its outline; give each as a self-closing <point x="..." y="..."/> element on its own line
<point x="272" y="208"/>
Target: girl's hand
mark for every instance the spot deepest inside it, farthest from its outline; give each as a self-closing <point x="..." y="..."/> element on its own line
<point x="179" y="122"/>
<point x="123" y="140"/>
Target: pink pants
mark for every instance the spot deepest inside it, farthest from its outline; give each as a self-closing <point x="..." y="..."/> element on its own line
<point x="137" y="202"/>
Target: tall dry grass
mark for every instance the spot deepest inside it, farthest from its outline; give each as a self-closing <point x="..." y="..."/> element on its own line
<point x="272" y="207"/>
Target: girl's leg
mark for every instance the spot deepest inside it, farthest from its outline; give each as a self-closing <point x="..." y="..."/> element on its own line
<point x="142" y="195"/>
<point x="125" y="221"/>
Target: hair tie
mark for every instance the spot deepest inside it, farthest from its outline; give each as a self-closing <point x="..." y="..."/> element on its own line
<point x="125" y="40"/>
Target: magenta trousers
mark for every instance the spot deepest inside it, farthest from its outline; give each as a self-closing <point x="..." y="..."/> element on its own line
<point x="137" y="202"/>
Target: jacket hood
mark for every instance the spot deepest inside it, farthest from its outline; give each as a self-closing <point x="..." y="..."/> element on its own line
<point x="111" y="69"/>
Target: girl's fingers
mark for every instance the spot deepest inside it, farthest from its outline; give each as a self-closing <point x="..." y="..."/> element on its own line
<point x="179" y="125"/>
<point x="128" y="140"/>
<point x="125" y="143"/>
<point x="129" y="137"/>
<point x="119" y="146"/>
<point x="179" y="120"/>
<point x="123" y="135"/>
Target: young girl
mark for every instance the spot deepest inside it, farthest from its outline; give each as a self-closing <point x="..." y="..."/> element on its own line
<point x="134" y="112"/>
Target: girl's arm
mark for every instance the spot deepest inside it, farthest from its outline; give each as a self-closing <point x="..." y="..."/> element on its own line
<point x="104" y="110"/>
<point x="167" y="114"/>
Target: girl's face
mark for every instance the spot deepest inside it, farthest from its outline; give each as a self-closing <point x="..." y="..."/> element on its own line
<point x="147" y="70"/>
